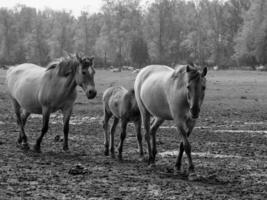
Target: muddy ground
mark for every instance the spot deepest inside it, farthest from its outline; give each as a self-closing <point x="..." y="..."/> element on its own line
<point x="229" y="148"/>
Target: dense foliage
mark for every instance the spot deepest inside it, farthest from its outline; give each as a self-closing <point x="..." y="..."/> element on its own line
<point x="224" y="33"/>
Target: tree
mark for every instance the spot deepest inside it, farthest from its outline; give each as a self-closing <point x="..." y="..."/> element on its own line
<point x="250" y="42"/>
<point x="8" y="37"/>
<point x="139" y="52"/>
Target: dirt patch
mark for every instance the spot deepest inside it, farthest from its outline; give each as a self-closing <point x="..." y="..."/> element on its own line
<point x="231" y="164"/>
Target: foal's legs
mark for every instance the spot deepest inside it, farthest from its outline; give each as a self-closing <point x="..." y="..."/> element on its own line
<point x="137" y="125"/>
<point x="46" y="115"/>
<point x="122" y="137"/>
<point x="66" y="118"/>
<point x="107" y="116"/>
<point x="112" y="131"/>
<point x="21" y="120"/>
<point x="156" y="123"/>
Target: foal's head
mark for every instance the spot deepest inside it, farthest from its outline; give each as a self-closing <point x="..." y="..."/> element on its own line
<point x="196" y="85"/>
<point x="84" y="75"/>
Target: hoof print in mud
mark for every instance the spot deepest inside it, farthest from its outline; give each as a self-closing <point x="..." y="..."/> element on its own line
<point x="193" y="177"/>
<point x="78" y="170"/>
<point x="58" y="139"/>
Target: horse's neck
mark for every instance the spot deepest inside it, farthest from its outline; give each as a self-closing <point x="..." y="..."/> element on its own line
<point x="177" y="89"/>
<point x="70" y="84"/>
<point x="67" y="85"/>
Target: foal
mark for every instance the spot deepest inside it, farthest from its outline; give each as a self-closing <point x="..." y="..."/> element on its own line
<point x="120" y="103"/>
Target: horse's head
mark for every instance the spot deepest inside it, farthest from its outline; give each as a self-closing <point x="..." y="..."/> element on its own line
<point x="196" y="85"/>
<point x="84" y="76"/>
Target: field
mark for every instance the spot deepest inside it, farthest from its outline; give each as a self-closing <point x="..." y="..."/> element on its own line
<point x="229" y="146"/>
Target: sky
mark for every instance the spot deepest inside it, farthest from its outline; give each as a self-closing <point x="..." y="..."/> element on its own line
<point x="76" y="6"/>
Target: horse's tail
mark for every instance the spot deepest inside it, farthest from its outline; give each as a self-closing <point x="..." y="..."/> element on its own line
<point x="137" y="93"/>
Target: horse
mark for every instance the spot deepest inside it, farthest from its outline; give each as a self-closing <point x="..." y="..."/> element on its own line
<point x="170" y="94"/>
<point x="120" y="103"/>
<point x="39" y="90"/>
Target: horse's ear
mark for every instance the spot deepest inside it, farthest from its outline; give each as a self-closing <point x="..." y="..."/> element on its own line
<point x="66" y="54"/>
<point x="92" y="58"/>
<point x="204" y="72"/>
<point x="191" y="64"/>
<point x="188" y="69"/>
<point x="78" y="57"/>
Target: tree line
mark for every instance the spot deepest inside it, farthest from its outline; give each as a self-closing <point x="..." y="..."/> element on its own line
<point x="225" y="33"/>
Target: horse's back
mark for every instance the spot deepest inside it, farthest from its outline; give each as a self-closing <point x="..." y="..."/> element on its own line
<point x="151" y="87"/>
<point x="23" y="83"/>
<point x="120" y="101"/>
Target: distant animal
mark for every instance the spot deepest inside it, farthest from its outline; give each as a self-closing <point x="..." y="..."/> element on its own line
<point x="115" y="70"/>
<point x="136" y="71"/>
<point x="34" y="89"/>
<point x="170" y="94"/>
<point x="121" y="104"/>
<point x="4" y="67"/>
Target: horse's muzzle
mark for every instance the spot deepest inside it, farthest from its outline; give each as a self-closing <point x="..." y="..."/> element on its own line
<point x="194" y="113"/>
<point x="91" y="94"/>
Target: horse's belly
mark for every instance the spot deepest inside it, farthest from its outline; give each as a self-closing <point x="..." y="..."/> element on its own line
<point x="156" y="102"/>
<point x="31" y="105"/>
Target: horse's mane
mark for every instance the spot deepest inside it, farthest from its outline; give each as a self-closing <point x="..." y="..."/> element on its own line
<point x="65" y="65"/>
<point x="181" y="71"/>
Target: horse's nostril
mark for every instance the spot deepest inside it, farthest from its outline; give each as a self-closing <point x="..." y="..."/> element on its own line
<point x="91" y="94"/>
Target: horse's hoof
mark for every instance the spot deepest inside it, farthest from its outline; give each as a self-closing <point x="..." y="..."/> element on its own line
<point x="66" y="149"/>
<point x="25" y="146"/>
<point x="120" y="157"/>
<point x="112" y="155"/>
<point x="192" y="176"/>
<point x="177" y="172"/>
<point x="152" y="166"/>
<point x="141" y="159"/>
<point x="106" y="152"/>
<point x="18" y="144"/>
<point x="151" y="161"/>
<point x="37" y="149"/>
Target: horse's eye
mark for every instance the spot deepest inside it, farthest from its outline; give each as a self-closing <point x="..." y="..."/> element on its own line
<point x="84" y="73"/>
<point x="203" y="87"/>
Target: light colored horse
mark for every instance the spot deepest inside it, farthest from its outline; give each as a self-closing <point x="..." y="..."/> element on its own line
<point x="120" y="103"/>
<point x="34" y="89"/>
<point x="170" y="94"/>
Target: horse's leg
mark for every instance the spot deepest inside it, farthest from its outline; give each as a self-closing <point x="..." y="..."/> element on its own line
<point x="112" y="131"/>
<point x="146" y="121"/>
<point x="156" y="124"/>
<point x="46" y="115"/>
<point x="66" y="119"/>
<point x="122" y="137"/>
<point x="107" y="116"/>
<point x="178" y="163"/>
<point x="22" y="137"/>
<point x="187" y="148"/>
<point x="137" y="125"/>
<point x="179" y="158"/>
<point x="24" y="118"/>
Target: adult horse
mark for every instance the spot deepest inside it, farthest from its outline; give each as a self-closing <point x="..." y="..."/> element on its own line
<point x="120" y="103"/>
<point x="34" y="89"/>
<point x="170" y="94"/>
